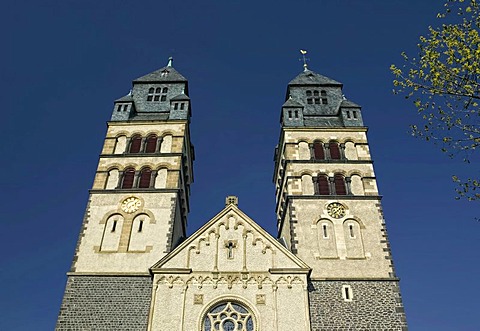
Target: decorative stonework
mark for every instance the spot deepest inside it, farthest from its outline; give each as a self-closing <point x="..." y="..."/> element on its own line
<point x="260" y="299"/>
<point x="198" y="299"/>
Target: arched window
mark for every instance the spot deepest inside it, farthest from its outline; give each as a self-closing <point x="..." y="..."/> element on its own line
<point x="158" y="90"/>
<point x="165" y="90"/>
<point x="145" y="178"/>
<point x="324" y="97"/>
<point x="323" y="186"/>
<point x="135" y="144"/>
<point x="151" y="145"/>
<point x="340" y="188"/>
<point x="151" y="91"/>
<point x="228" y="316"/>
<point x="315" y="93"/>
<point x="309" y="93"/>
<point x="318" y="152"/>
<point x="334" y="150"/>
<point x="128" y="178"/>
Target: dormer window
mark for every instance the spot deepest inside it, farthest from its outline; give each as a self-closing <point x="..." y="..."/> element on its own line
<point x="157" y="94"/>
<point x="316" y="97"/>
<point x="165" y="73"/>
<point x="182" y="106"/>
<point x="324" y="97"/>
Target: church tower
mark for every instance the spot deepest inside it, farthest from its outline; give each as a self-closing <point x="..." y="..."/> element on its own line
<point x="137" y="208"/>
<point x="329" y="211"/>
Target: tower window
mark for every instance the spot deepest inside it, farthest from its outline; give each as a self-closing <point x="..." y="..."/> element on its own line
<point x="182" y="106"/>
<point x="175" y="106"/>
<point x="145" y="178"/>
<point x="340" y="188"/>
<point x="157" y="94"/>
<point x="135" y="144"/>
<point x="318" y="152"/>
<point x="323" y="185"/>
<point x="119" y="107"/>
<point x="348" y="114"/>
<point x="151" y="145"/>
<point x="347" y="293"/>
<point x="128" y="178"/>
<point x="354" y="114"/>
<point x="334" y="150"/>
<point x="114" y="226"/>
<point x="350" y="228"/>
<point x="296" y="113"/>
<point x="125" y="107"/>
<point x="290" y="114"/>
<point x="324" y="97"/>
<point x="325" y="234"/>
<point x="140" y="225"/>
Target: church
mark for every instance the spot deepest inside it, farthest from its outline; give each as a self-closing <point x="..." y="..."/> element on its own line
<point x="328" y="268"/>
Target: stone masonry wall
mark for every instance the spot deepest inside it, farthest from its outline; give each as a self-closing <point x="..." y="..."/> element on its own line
<point x="92" y="303"/>
<point x="375" y="305"/>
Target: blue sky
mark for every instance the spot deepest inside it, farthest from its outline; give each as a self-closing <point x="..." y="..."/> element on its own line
<point x="64" y="62"/>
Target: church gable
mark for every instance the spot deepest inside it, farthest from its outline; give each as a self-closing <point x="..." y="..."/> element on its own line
<point x="231" y="242"/>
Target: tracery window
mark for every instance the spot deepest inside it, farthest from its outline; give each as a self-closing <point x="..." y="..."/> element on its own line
<point x="228" y="316"/>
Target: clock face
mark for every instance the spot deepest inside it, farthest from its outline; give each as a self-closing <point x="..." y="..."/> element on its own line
<point x="131" y="204"/>
<point x="336" y="210"/>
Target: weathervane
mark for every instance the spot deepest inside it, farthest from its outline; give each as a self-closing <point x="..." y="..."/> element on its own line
<point x="304" y="59"/>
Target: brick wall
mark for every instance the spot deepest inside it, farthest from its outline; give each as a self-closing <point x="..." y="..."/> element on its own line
<point x="93" y="303"/>
<point x="375" y="305"/>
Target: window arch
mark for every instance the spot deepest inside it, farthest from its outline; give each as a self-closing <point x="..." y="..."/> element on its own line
<point x="135" y="144"/>
<point x="334" y="150"/>
<point x="128" y="178"/>
<point x="318" y="151"/>
<point x="151" y="144"/>
<point x="340" y="187"/>
<point x="145" y="178"/>
<point x="323" y="94"/>
<point x="323" y="186"/>
<point x="228" y="316"/>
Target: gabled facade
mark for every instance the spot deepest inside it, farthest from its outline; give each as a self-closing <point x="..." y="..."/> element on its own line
<point x="329" y="268"/>
<point x="230" y="261"/>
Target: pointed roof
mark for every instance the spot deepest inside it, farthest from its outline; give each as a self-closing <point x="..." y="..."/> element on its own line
<point x="165" y="74"/>
<point x="309" y="77"/>
<point x="290" y="103"/>
<point x="175" y="260"/>
<point x="349" y="104"/>
<point x="125" y="98"/>
<point x="180" y="97"/>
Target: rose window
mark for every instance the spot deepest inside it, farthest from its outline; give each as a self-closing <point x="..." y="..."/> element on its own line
<point x="228" y="316"/>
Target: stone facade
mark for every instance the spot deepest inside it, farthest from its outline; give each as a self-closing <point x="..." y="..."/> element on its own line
<point x="100" y="303"/>
<point x="372" y="305"/>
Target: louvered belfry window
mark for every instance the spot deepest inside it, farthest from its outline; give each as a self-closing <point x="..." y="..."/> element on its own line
<point x="151" y="146"/>
<point x="135" y="144"/>
<point x="323" y="185"/>
<point x="334" y="151"/>
<point x="145" y="177"/>
<point x="128" y="178"/>
<point x="318" y="152"/>
<point x="340" y="188"/>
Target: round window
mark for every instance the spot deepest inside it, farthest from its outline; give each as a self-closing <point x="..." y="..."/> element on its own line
<point x="228" y="316"/>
